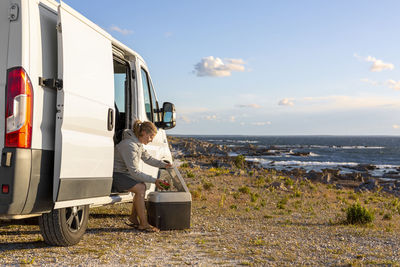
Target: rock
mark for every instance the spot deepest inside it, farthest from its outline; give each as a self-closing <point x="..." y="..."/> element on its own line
<point x="300" y="154"/>
<point x="334" y="172"/>
<point x="338" y="186"/>
<point x="313" y="175"/>
<point x="370" y="185"/>
<point x="278" y="185"/>
<point x="327" y="178"/>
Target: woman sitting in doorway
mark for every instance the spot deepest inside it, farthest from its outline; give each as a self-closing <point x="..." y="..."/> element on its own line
<point x="127" y="175"/>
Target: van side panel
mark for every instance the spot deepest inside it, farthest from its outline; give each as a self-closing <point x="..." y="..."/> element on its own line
<point x="27" y="172"/>
<point x="4" y="31"/>
<point x="84" y="147"/>
<point x="43" y="63"/>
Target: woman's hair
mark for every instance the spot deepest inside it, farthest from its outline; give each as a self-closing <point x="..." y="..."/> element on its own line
<point x="146" y="126"/>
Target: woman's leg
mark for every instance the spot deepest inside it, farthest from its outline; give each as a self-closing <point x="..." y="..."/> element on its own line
<point x="133" y="218"/>
<point x="138" y="207"/>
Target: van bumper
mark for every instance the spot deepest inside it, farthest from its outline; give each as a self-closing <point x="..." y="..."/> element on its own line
<point x="28" y="173"/>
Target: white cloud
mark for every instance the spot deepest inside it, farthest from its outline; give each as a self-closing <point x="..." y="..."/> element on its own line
<point x="167" y="34"/>
<point x="378" y="65"/>
<point x="366" y="80"/>
<point x="121" y="31"/>
<point x="216" y="67"/>
<point x="249" y="106"/>
<point x="343" y="102"/>
<point x="286" y="102"/>
<point x="261" y="123"/>
<point x="396" y="126"/>
<point x="211" y="117"/>
<point x="393" y="84"/>
<point x="184" y="118"/>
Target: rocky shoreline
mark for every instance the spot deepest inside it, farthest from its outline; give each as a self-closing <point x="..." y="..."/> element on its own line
<point x="207" y="155"/>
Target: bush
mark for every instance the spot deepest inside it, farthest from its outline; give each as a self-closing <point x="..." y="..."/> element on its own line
<point x="244" y="190"/>
<point x="281" y="203"/>
<point x="357" y="214"/>
<point x="387" y="216"/>
<point x="233" y="207"/>
<point x="195" y="194"/>
<point x="218" y="171"/>
<point x="239" y="161"/>
<point x="288" y="182"/>
<point x="254" y="197"/>
<point x="189" y="174"/>
<point x="184" y="165"/>
<point x="207" y="185"/>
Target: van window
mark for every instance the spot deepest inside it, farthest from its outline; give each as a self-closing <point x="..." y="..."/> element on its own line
<point x="121" y="92"/>
<point x="154" y="103"/>
<point x="146" y="94"/>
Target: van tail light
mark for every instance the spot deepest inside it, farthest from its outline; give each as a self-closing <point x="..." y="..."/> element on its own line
<point x="19" y="107"/>
<point x="5" y="188"/>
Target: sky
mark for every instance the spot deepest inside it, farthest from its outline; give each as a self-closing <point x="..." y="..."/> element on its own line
<point x="261" y="67"/>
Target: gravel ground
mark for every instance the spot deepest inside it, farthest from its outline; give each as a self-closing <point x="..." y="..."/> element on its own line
<point x="300" y="224"/>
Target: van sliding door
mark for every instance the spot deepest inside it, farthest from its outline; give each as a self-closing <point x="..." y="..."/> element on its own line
<point x="85" y="117"/>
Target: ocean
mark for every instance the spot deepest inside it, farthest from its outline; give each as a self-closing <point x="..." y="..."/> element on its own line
<point x="320" y="152"/>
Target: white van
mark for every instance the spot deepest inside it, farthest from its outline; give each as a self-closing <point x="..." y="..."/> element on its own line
<point x="70" y="89"/>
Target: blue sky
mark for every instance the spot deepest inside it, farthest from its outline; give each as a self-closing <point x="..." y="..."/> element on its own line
<point x="261" y="67"/>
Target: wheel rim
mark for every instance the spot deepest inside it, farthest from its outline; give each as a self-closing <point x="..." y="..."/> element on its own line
<point x="74" y="218"/>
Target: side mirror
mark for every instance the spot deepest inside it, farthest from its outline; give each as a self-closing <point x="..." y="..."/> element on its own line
<point x="168" y="116"/>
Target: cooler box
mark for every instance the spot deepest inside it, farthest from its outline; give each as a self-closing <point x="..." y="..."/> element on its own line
<point x="170" y="210"/>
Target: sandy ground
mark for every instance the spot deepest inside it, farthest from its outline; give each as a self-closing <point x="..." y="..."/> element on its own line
<point x="236" y="220"/>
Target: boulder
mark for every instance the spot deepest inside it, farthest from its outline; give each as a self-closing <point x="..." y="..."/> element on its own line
<point x="278" y="185"/>
<point x="370" y="185"/>
<point x="313" y="175"/>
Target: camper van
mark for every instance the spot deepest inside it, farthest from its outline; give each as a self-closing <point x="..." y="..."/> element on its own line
<point x="69" y="89"/>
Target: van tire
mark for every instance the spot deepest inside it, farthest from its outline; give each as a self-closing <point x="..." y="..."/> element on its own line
<point x="64" y="227"/>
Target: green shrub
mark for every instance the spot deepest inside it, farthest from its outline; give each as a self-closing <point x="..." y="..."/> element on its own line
<point x="296" y="193"/>
<point x="195" y="194"/>
<point x="254" y="197"/>
<point x="189" y="174"/>
<point x="218" y="171"/>
<point x="233" y="207"/>
<point x="235" y="195"/>
<point x="387" y="216"/>
<point x="281" y="203"/>
<point x="357" y="214"/>
<point x="260" y="181"/>
<point x="288" y="182"/>
<point x="207" y="185"/>
<point x="239" y="161"/>
<point x="184" y="165"/>
<point x="244" y="190"/>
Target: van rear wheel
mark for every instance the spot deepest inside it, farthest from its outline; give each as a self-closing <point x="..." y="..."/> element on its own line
<point x="64" y="227"/>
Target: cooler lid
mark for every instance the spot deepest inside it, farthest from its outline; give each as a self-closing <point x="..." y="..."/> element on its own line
<point x="169" y="197"/>
<point x="174" y="177"/>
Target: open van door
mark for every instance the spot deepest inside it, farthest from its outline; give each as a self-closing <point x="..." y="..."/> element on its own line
<point x="84" y="148"/>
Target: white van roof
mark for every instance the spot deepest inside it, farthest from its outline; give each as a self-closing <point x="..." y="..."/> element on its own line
<point x="128" y="52"/>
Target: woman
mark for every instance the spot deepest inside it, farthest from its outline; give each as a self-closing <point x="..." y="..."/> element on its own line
<point x="128" y="177"/>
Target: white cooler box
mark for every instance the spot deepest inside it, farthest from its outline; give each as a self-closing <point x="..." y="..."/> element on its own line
<point x="170" y="210"/>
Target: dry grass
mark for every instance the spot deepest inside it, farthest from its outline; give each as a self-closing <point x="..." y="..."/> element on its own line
<point x="258" y="225"/>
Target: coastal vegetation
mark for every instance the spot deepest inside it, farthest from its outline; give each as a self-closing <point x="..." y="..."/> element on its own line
<point x="240" y="216"/>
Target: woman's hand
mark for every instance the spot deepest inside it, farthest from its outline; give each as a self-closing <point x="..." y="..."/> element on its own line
<point x="158" y="184"/>
<point x="169" y="165"/>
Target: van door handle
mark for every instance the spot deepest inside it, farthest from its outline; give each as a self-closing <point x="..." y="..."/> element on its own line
<point x="110" y="120"/>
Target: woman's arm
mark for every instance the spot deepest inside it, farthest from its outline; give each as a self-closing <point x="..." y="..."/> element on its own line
<point x="147" y="158"/>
